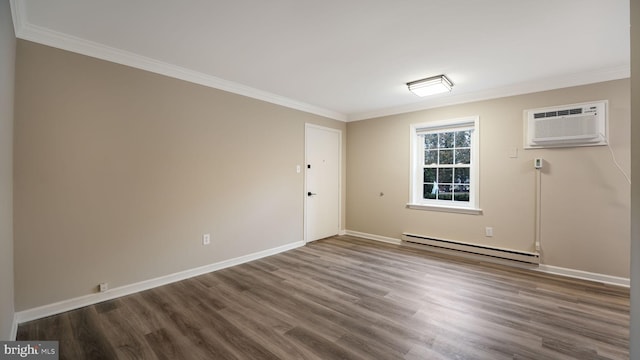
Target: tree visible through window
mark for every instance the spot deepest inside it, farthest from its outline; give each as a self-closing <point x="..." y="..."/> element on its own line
<point x="444" y="164"/>
<point x="447" y="162"/>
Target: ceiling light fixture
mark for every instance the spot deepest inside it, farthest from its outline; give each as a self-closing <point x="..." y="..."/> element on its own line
<point x="430" y="86"/>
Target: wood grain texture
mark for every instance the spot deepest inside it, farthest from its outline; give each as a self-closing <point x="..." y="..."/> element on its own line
<point x="348" y="298"/>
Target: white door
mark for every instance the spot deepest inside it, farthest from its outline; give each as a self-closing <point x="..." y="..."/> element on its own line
<point x="322" y="175"/>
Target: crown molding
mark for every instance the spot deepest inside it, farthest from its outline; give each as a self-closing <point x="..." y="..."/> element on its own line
<point x="27" y="31"/>
<point x="558" y="82"/>
<point x="17" y="15"/>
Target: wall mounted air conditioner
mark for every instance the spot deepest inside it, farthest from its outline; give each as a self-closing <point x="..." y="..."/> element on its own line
<point x="582" y="124"/>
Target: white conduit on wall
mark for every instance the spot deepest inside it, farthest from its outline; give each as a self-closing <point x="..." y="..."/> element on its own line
<point x="538" y="166"/>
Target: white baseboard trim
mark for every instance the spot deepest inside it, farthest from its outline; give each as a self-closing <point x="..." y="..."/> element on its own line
<point x="14" y="328"/>
<point x="556" y="270"/>
<point x="584" y="275"/>
<point x="91" y="299"/>
<point x="385" y="239"/>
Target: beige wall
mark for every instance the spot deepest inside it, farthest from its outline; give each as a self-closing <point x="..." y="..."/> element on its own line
<point x="7" y="61"/>
<point x="585" y="199"/>
<point x="635" y="190"/>
<point x="119" y="172"/>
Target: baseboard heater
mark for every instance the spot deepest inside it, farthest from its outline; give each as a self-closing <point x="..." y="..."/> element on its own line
<point x="500" y="253"/>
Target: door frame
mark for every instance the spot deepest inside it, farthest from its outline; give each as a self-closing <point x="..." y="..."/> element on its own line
<point x="308" y="126"/>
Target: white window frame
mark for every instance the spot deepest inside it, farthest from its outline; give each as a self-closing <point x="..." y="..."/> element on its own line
<point x="416" y="200"/>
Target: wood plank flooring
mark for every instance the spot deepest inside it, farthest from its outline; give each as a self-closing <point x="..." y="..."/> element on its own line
<point x="348" y="298"/>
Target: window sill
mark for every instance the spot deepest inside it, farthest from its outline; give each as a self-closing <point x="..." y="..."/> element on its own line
<point x="451" y="209"/>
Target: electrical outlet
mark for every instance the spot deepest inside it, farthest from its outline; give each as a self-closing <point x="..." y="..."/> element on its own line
<point x="206" y="239"/>
<point x="488" y="231"/>
<point x="103" y="287"/>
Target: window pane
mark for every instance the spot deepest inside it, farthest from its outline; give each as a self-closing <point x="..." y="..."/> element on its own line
<point x="446" y="156"/>
<point x="444" y="192"/>
<point x="462" y="175"/>
<point x="445" y="175"/>
<point x="428" y="192"/>
<point x="431" y="157"/>
<point x="461" y="193"/>
<point x="463" y="156"/>
<point x="429" y="175"/>
<point x="431" y="141"/>
<point x="463" y="138"/>
<point x="444" y="162"/>
<point x="446" y="140"/>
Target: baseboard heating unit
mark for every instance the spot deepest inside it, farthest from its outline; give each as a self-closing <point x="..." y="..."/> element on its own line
<point x="458" y="246"/>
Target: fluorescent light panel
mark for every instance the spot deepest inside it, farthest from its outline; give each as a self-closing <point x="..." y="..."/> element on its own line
<point x="430" y="86"/>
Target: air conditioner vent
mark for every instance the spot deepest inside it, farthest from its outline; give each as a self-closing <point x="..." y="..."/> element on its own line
<point x="568" y="125"/>
<point x="557" y="113"/>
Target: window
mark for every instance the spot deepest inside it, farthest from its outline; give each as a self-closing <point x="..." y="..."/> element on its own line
<point x="444" y="161"/>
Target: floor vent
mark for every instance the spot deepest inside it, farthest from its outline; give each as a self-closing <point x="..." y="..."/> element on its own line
<point x="458" y="246"/>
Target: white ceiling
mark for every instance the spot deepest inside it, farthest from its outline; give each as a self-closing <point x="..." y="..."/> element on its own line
<point x="347" y="59"/>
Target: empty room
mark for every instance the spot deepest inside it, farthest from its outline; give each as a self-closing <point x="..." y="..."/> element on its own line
<point x="319" y="180"/>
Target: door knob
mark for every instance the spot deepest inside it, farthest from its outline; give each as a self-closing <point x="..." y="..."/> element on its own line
<point x="310" y="193"/>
